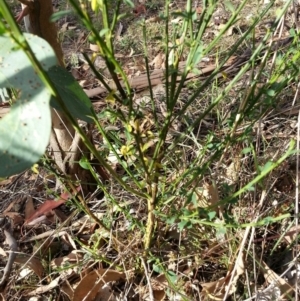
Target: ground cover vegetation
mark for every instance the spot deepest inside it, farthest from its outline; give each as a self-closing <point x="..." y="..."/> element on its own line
<point x="186" y="114"/>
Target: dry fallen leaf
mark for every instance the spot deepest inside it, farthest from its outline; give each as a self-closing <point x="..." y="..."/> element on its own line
<point x="15" y="217"/>
<point x="177" y="20"/>
<point x="86" y="221"/>
<point x="233" y="171"/>
<point x="67" y="289"/>
<point x="272" y="292"/>
<point x="105" y="293"/>
<point x="48" y="247"/>
<point x="31" y="262"/>
<point x="2" y="252"/>
<point x="272" y="277"/>
<point x="72" y="258"/>
<point x="217" y="290"/>
<point x="29" y="208"/>
<point x="68" y="238"/>
<point x="159" y="284"/>
<point x="206" y="196"/>
<point x="214" y="290"/>
<point x="44" y="208"/>
<point x="153" y="19"/>
<point x="76" y="74"/>
<point x="229" y="31"/>
<point x="199" y="10"/>
<point x="13" y="204"/>
<point x="157" y="61"/>
<point x="159" y="295"/>
<point x="239" y="271"/>
<point x="90" y="285"/>
<point x="291" y="235"/>
<point x="64" y="27"/>
<point x="46" y="288"/>
<point x="94" y="47"/>
<point x="6" y="182"/>
<point x="47" y="206"/>
<point x="139" y="9"/>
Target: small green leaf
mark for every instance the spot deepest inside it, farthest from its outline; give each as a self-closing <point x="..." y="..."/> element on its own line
<point x="271" y="92"/>
<point x="171" y="220"/>
<point x="220" y="232"/>
<point x="171" y="58"/>
<point x="121" y="16"/>
<point x="84" y="163"/>
<point x="229" y="6"/>
<point x="250" y="188"/>
<point x="246" y="150"/>
<point x="183" y="224"/>
<point x="195" y="199"/>
<point x="103" y="32"/>
<point x="195" y="71"/>
<point x="60" y="14"/>
<point x="172" y="276"/>
<point x="130" y="3"/>
<point x="211" y="215"/>
<point x="197" y="56"/>
<point x="293" y="32"/>
<point x="267" y="220"/>
<point x="157" y="268"/>
<point x="266" y="167"/>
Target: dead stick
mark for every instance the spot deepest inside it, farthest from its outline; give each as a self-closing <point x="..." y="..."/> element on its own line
<point x="12" y="254"/>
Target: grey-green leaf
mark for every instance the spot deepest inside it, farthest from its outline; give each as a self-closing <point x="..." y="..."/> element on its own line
<point x="25" y="130"/>
<point x="74" y="98"/>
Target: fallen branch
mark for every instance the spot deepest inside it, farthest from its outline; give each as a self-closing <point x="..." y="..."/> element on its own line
<point x="231" y="67"/>
<point x="6" y="226"/>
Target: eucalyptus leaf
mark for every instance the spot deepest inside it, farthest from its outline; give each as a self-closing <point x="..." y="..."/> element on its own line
<point x="74" y="98"/>
<point x="25" y="130"/>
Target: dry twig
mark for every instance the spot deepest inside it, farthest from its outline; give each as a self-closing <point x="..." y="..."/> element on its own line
<point x="6" y="226"/>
